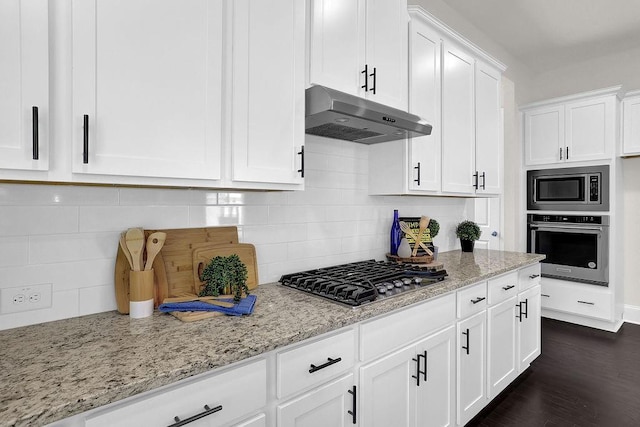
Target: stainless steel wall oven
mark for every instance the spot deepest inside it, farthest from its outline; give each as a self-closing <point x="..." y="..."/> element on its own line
<point x="576" y="246"/>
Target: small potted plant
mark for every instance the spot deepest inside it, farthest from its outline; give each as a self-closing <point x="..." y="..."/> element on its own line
<point x="225" y="275"/>
<point x="434" y="229"/>
<point x="468" y="232"/>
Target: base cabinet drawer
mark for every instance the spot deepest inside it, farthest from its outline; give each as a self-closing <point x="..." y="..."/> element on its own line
<point x="580" y="299"/>
<point x="529" y="276"/>
<point x="228" y="395"/>
<point x="472" y="299"/>
<point x="315" y="362"/>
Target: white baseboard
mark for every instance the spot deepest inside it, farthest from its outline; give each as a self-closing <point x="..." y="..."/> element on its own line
<point x="631" y="314"/>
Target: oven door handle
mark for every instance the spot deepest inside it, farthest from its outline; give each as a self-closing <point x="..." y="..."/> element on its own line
<point x="550" y="227"/>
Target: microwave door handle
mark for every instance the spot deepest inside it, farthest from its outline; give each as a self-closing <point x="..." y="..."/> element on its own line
<point x="548" y="227"/>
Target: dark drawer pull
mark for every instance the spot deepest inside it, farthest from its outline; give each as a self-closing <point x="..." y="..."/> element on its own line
<point x="587" y="302"/>
<point x="35" y="136"/>
<point x="417" y="181"/>
<point x="85" y="153"/>
<point x="506" y="288"/>
<point x="207" y="411"/>
<point x="545" y="295"/>
<point x="365" y="86"/>
<point x="477" y="300"/>
<point x="373" y="88"/>
<point x="330" y="362"/>
<point x="533" y="276"/>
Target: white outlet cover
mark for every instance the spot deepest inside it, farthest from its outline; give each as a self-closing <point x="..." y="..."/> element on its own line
<point x="34" y="297"/>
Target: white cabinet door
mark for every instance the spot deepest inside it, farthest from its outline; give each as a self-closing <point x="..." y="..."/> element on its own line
<point x="147" y="76"/>
<point x="502" y="356"/>
<point x="337" y="44"/>
<point x="387" y="389"/>
<point x="471" y="367"/>
<point x="24" y="84"/>
<point x="267" y="123"/>
<point x="529" y="325"/>
<point x="435" y="400"/>
<point x="631" y="126"/>
<point x="327" y="405"/>
<point x="590" y="129"/>
<point x="386" y="51"/>
<point x="458" y="135"/>
<point x="544" y="140"/>
<point x="424" y="101"/>
<point x="489" y="152"/>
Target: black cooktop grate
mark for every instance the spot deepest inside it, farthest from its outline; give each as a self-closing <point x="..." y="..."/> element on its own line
<point x="362" y="282"/>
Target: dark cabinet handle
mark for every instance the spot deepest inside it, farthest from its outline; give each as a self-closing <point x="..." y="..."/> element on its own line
<point x="484" y="179"/>
<point x="365" y="86"/>
<point x="34" y="125"/>
<point x="587" y="302"/>
<point x="207" y="411"/>
<point x="560" y="153"/>
<point x="567" y="156"/>
<point x="477" y="300"/>
<point x="475" y="178"/>
<point x="506" y="288"/>
<point x="418" y="370"/>
<point x="85" y="154"/>
<point x="467" y="346"/>
<point x="526" y="308"/>
<point x="533" y="276"/>
<point x="545" y="295"/>
<point x="373" y="88"/>
<point x="417" y="181"/>
<point x="314" y="368"/>
<point x="519" y="315"/>
<point x="301" y="170"/>
<point x="353" y="392"/>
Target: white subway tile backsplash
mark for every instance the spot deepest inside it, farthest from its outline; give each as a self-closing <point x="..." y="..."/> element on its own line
<point x="96" y="299"/>
<point x="72" y="247"/>
<point x="154" y="197"/>
<point x="33" y="220"/>
<point x="21" y="195"/>
<point x="68" y="235"/>
<point x="13" y="251"/>
<point x="119" y="218"/>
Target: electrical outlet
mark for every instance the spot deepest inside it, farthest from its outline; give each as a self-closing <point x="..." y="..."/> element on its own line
<point x="25" y="298"/>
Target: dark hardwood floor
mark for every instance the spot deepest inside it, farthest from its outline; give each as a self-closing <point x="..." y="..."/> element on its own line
<point x="584" y="377"/>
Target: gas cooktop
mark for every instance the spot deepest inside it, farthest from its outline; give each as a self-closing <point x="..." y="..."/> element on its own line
<point x="363" y="282"/>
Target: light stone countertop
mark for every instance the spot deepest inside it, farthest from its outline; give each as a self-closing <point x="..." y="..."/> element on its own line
<point x="55" y="370"/>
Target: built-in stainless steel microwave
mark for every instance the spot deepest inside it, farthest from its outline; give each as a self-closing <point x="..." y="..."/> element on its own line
<point x="569" y="189"/>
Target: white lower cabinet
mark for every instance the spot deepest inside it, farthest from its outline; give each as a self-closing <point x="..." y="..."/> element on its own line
<point x="529" y="329"/>
<point x="214" y="400"/>
<point x="471" y="366"/>
<point x="331" y="404"/>
<point x="411" y="387"/>
<point x="502" y="356"/>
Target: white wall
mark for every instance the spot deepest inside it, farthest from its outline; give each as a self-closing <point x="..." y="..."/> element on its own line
<point x="67" y="235"/>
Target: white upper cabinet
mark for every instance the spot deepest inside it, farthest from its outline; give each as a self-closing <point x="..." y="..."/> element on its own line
<point x="489" y="125"/>
<point x="360" y="47"/>
<point x="267" y="124"/>
<point x="24" y="85"/>
<point x="147" y="88"/>
<point x="631" y="124"/>
<point x="458" y="120"/>
<point x="571" y="129"/>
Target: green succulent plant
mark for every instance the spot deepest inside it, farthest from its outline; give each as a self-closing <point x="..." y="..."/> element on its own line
<point x="468" y="230"/>
<point x="434" y="227"/>
<point x="225" y="274"/>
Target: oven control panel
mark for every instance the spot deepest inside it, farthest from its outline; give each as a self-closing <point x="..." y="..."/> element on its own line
<point x="572" y="219"/>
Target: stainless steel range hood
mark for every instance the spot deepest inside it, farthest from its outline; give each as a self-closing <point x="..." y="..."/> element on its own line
<point x="334" y="114"/>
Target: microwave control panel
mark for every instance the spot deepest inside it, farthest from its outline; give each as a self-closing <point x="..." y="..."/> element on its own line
<point x="594" y="190"/>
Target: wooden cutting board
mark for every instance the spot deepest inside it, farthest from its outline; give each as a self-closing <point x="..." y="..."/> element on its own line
<point x="173" y="266"/>
<point x="206" y="252"/>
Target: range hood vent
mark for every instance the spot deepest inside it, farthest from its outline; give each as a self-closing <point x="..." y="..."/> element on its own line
<point x="334" y="114"/>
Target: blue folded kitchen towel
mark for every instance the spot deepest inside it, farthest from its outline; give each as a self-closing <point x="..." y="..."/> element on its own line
<point x="245" y="306"/>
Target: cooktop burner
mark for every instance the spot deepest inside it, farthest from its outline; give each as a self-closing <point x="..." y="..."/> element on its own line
<point x="362" y="282"/>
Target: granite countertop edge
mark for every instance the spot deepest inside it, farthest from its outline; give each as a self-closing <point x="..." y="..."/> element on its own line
<point x="75" y="365"/>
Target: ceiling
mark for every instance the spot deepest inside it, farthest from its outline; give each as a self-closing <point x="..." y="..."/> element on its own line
<point x="549" y="34"/>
